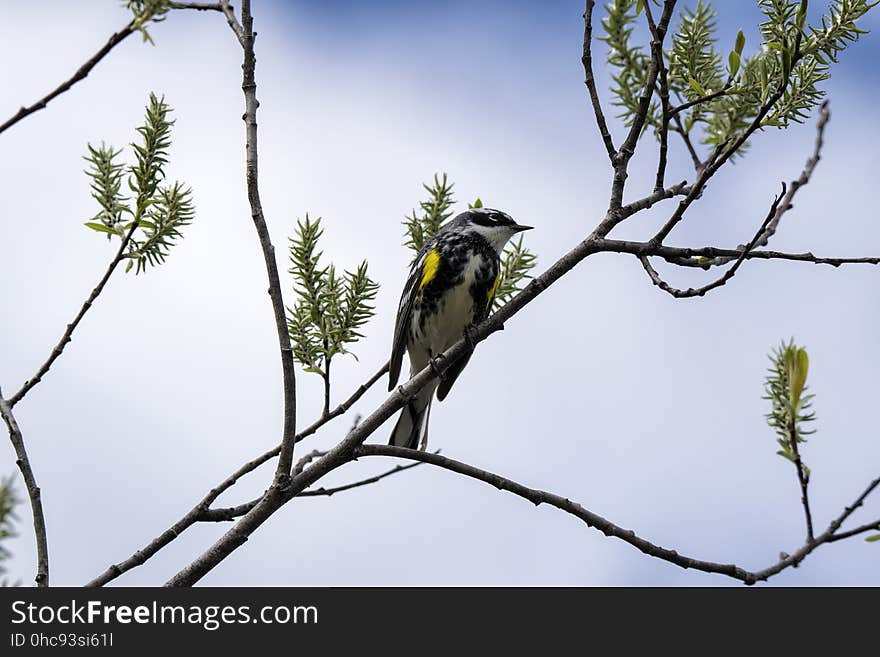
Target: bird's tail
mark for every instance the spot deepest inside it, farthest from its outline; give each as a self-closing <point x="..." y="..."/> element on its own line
<point x="409" y="428"/>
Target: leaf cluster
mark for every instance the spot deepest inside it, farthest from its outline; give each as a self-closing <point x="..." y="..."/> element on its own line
<point x="330" y="310"/>
<point x="785" y="388"/>
<point x="8" y="501"/>
<point x="435" y="211"/>
<point x="159" y="211"/>
<point x="516" y="261"/>
<point x="792" y="60"/>
<point x="145" y="12"/>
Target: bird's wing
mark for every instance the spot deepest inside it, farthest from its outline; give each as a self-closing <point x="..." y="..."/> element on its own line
<point x="450" y="375"/>
<point x="416" y="281"/>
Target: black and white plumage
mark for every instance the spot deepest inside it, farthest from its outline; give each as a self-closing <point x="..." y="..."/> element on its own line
<point x="450" y="287"/>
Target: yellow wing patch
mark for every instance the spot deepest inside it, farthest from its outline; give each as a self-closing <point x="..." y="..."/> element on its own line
<point x="492" y="290"/>
<point x="430" y="267"/>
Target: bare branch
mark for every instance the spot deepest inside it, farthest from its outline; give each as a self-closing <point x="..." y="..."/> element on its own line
<point x="686" y="138"/>
<point x="115" y="39"/>
<point x="657" y="54"/>
<point x="234" y="25"/>
<point x="724" y="152"/>
<point x="730" y="273"/>
<point x="198" y="6"/>
<point x="30" y="482"/>
<point x="68" y="332"/>
<point x="803" y="480"/>
<point x="590" y="81"/>
<point x="675" y="254"/>
<point x="628" y="148"/>
<point x="82" y="72"/>
<point x="538" y="497"/>
<point x="653" y="198"/>
<point x="246" y="36"/>
<point x="703" y="99"/>
<point x="787" y="204"/>
<point x="231" y="513"/>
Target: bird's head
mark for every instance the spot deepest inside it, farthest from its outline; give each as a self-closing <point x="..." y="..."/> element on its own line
<point x="496" y="226"/>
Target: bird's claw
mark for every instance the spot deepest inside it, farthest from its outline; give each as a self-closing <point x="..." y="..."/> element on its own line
<point x="469" y="337"/>
<point x="435" y="366"/>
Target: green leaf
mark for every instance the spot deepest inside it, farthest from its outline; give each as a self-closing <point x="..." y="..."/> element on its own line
<point x="799" y="364"/>
<point x="435" y="211"/>
<point x="733" y="63"/>
<point x="101" y="228"/>
<point x="640" y="7"/>
<point x="740" y="42"/>
<point x="873" y="539"/>
<point x="696" y="87"/>
<point x="787" y="455"/>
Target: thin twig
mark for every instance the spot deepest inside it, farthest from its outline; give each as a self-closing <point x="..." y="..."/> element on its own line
<point x="305" y="460"/>
<point x="787" y="202"/>
<point x="30" y="482"/>
<point x="675" y="254"/>
<point x="628" y="147"/>
<point x="537" y="497"/>
<point x="655" y="197"/>
<point x="587" y="60"/>
<point x="686" y="138"/>
<point x="703" y="99"/>
<point x="725" y="151"/>
<point x="245" y="34"/>
<point x="83" y="71"/>
<point x="68" y="332"/>
<point x="730" y="273"/>
<point x="657" y="53"/>
<point x="115" y="39"/>
<point x="198" y="6"/>
<point x="233" y="512"/>
<point x="803" y="480"/>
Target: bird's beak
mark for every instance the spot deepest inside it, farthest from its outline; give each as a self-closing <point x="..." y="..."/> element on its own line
<point x="518" y="228"/>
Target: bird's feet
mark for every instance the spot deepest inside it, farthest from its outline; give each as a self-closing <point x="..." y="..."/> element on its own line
<point x="469" y="336"/>
<point x="439" y="372"/>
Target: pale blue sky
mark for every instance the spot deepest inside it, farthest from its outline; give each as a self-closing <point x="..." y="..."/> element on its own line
<point x="643" y="408"/>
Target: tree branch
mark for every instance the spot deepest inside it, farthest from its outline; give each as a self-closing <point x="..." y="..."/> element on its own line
<point x="803" y="480"/>
<point x="724" y="152"/>
<point x="30" y="482"/>
<point x="674" y="254"/>
<point x="115" y="39"/>
<point x="787" y="204"/>
<point x="657" y="54"/>
<point x="83" y="71"/>
<point x="587" y="60"/>
<point x="538" y="497"/>
<point x="730" y="273"/>
<point x="198" y="6"/>
<point x="628" y="148"/>
<point x="246" y="36"/>
<point x="68" y="333"/>
<point x="233" y="512"/>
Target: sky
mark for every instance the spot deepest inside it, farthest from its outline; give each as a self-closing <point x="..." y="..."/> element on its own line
<point x="645" y="409"/>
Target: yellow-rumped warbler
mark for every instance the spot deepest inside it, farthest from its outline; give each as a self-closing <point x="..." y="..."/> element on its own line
<point x="450" y="288"/>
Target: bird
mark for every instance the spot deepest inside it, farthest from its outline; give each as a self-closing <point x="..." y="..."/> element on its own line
<point x="450" y="289"/>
